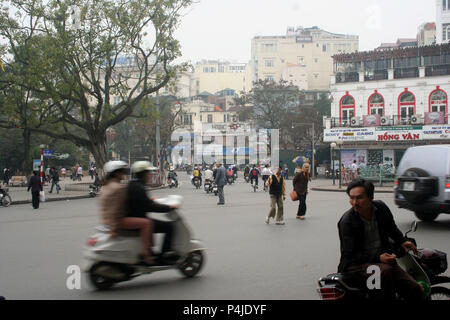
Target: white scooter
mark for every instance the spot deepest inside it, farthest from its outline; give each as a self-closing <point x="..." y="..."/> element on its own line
<point x="110" y="260"/>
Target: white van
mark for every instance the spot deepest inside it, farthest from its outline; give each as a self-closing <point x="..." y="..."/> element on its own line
<point x="423" y="181"/>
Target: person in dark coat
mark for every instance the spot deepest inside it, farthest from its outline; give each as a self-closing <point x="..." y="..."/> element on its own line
<point x="138" y="204"/>
<point x="364" y="233"/>
<point x="300" y="184"/>
<point x="36" y="186"/>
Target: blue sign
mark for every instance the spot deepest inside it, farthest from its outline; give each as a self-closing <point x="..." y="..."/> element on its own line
<point x="48" y="153"/>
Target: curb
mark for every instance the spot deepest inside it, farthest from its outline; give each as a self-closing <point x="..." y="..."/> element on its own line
<point x="344" y="190"/>
<point x="70" y="197"/>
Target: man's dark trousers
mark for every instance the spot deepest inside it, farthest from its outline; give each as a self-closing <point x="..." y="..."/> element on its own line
<point x="35" y="199"/>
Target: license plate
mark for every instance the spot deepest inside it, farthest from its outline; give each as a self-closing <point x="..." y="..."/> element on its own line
<point x="409" y="186"/>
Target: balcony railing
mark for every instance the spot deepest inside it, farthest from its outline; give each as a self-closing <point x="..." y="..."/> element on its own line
<point x="393" y="120"/>
<point x="347" y="77"/>
<point x="441" y="70"/>
<point x="406" y="73"/>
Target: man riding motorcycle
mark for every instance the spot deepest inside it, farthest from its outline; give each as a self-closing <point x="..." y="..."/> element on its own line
<point x="254" y="173"/>
<point x="173" y="175"/>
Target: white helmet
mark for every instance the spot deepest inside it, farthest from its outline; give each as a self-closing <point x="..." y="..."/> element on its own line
<point x="115" y="165"/>
<point x="140" y="166"/>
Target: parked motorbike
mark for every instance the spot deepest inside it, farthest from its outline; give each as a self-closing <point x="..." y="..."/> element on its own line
<point x="110" y="260"/>
<point x="426" y="268"/>
<point x="5" y="198"/>
<point x="93" y="190"/>
<point x="208" y="186"/>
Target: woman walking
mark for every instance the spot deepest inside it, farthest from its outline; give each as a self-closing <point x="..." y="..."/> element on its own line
<point x="300" y="184"/>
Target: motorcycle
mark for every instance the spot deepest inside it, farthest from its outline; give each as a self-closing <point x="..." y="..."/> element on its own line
<point x="112" y="260"/>
<point x="235" y="176"/>
<point x="197" y="182"/>
<point x="215" y="189"/>
<point x="208" y="186"/>
<point x="247" y="177"/>
<point x="230" y="180"/>
<point x="426" y="268"/>
<point x="93" y="190"/>
<point x="172" y="183"/>
<point x="5" y="198"/>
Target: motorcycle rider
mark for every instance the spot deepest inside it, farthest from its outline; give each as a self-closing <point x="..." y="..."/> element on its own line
<point x="254" y="173"/>
<point x="138" y="203"/>
<point x="209" y="175"/>
<point x="197" y="175"/>
<point x="246" y="171"/>
<point x="172" y="175"/>
<point x="235" y="170"/>
<point x="265" y="174"/>
<point x="364" y="232"/>
<point x="112" y="202"/>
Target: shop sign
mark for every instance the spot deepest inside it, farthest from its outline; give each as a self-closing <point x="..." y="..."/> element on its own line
<point x="400" y="135"/>
<point x="349" y="134"/>
<point x="438" y="132"/>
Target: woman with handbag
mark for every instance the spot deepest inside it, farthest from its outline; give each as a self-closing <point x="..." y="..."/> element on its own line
<point x="300" y="184"/>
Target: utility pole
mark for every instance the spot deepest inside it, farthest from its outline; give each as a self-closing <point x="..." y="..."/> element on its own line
<point x="158" y="134"/>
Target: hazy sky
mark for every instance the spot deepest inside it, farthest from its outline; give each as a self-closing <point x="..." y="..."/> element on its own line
<point x="223" y="29"/>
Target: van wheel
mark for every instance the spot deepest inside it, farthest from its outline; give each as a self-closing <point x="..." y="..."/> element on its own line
<point x="426" y="216"/>
<point x="416" y="172"/>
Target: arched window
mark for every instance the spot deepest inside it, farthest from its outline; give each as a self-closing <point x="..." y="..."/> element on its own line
<point x="437" y="102"/>
<point x="406" y="106"/>
<point x="346" y="109"/>
<point x="376" y="104"/>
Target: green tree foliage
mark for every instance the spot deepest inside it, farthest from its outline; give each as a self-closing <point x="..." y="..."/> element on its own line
<point x="89" y="63"/>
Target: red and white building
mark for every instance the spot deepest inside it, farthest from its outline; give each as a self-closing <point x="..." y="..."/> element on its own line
<point x="386" y="101"/>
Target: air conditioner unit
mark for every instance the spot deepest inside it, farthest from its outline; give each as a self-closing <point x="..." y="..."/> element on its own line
<point x="354" y="122"/>
<point x="416" y="119"/>
<point x="385" y="121"/>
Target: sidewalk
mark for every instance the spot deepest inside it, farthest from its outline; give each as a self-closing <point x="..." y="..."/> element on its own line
<point x="321" y="184"/>
<point x="70" y="190"/>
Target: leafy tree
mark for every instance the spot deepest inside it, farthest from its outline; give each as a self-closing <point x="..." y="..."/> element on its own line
<point x="91" y="62"/>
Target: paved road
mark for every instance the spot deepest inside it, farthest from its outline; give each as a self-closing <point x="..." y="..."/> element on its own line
<point x="246" y="258"/>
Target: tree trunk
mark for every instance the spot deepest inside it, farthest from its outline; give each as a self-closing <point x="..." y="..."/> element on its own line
<point x="26" y="164"/>
<point x="98" y="150"/>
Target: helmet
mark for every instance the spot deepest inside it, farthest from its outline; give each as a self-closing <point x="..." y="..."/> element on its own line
<point x="140" y="166"/>
<point x="115" y="165"/>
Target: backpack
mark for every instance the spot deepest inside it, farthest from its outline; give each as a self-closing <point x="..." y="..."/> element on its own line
<point x="254" y="172"/>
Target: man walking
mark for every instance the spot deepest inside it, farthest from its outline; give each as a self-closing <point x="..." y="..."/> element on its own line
<point x="55" y="180"/>
<point x="277" y="191"/>
<point x="36" y="187"/>
<point x="221" y="181"/>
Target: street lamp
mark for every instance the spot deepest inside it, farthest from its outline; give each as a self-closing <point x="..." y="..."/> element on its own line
<point x="312" y="141"/>
<point x="339" y="142"/>
<point x="333" y="146"/>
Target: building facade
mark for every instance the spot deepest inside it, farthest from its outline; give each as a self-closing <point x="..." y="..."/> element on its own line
<point x="214" y="76"/>
<point x="303" y="56"/>
<point x="387" y="101"/>
<point x="426" y="34"/>
<point x="442" y="21"/>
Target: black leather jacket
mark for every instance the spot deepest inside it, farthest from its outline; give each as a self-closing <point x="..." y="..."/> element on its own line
<point x="351" y="235"/>
<point x="138" y="202"/>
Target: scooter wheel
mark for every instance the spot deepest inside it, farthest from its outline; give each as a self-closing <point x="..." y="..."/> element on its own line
<point x="97" y="280"/>
<point x="192" y="264"/>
